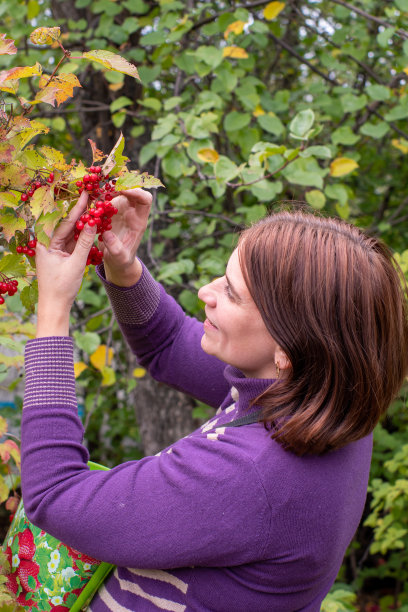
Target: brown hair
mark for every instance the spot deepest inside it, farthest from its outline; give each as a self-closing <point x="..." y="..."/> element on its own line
<point x="332" y="298"/>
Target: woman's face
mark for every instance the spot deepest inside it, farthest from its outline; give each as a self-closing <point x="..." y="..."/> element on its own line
<point x="234" y="330"/>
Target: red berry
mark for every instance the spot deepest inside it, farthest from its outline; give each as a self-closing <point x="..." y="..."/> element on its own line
<point x="79" y="184"/>
<point x="79" y="225"/>
<point x="19" y="249"/>
<point x="25" y="250"/>
<point x="30" y="252"/>
<point x="51" y="176"/>
<point x="37" y="184"/>
<point x="50" y="180"/>
<point x="24" y="197"/>
<point x="30" y="192"/>
<point x="1" y="300"/>
<point x="32" y="244"/>
<point x="91" y="222"/>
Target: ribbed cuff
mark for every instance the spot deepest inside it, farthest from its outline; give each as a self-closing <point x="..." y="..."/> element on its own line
<point x="133" y="305"/>
<point x="50" y="377"/>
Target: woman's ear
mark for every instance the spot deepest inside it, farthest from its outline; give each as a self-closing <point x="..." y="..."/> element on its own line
<point x="281" y="360"/>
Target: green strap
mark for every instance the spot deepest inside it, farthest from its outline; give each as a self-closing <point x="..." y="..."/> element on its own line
<point x="245" y="420"/>
<point x="100" y="573"/>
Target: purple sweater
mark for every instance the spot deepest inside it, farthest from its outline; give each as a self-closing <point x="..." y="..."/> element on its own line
<point x="223" y="520"/>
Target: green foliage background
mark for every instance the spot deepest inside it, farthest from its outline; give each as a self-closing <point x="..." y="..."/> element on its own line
<point x="221" y="133"/>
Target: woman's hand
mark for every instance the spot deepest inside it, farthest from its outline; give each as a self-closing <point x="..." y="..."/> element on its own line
<point x="60" y="269"/>
<point x="120" y="245"/>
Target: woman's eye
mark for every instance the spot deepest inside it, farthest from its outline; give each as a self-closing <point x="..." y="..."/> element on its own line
<point x="228" y="293"/>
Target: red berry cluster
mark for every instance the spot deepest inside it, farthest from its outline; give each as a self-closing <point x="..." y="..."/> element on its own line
<point x="100" y="210"/>
<point x="27" y="249"/>
<point x="38" y="182"/>
<point x="7" y="285"/>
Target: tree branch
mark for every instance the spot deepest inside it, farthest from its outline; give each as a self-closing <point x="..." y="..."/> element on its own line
<point x="378" y="20"/>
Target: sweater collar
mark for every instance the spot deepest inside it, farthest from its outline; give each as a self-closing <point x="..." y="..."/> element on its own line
<point x="243" y="389"/>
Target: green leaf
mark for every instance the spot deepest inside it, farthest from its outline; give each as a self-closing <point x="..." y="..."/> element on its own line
<point x="88" y="341"/>
<point x="301" y="124"/>
<point x="352" y="103"/>
<point x="379" y="92"/>
<point x="133" y="179"/>
<point x="152" y="103"/>
<point x="398" y="112"/>
<point x="305" y="172"/>
<point x="316" y="198"/>
<point x="385" y="36"/>
<point x="344" y="135"/>
<point x="318" y="151"/>
<point x="402" y="5"/>
<point x="225" y="169"/>
<point x="120" y="103"/>
<point x="265" y="191"/>
<point x="375" y="130"/>
<point x="236" y="121"/>
<point x="337" y="191"/>
<point x="271" y="123"/>
<point x="164" y="126"/>
<point x="13" y="265"/>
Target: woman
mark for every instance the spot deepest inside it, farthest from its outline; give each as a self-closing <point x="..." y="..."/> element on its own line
<point x="255" y="510"/>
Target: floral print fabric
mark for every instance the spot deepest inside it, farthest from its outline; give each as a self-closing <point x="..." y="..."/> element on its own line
<point x="45" y="574"/>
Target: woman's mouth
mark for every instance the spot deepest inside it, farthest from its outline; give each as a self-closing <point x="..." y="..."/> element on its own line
<point x="209" y="324"/>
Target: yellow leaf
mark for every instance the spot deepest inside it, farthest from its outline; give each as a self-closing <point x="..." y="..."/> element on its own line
<point x="139" y="372"/>
<point x="235" y="52"/>
<point x="79" y="367"/>
<point x="7" y="45"/>
<point x="4" y="490"/>
<point x="98" y="358"/>
<point x="3" y="426"/>
<point x="405" y="70"/>
<point x="116" y="86"/>
<point x="113" y="61"/>
<point x="45" y="36"/>
<point x="273" y="9"/>
<point x="20" y="72"/>
<point x="59" y="89"/>
<point x="208" y="155"/>
<point x="342" y="166"/>
<point x="237" y="27"/>
<point x="402" y="144"/>
<point x="258" y="111"/>
<point x="10" y="86"/>
<point x="42" y="201"/>
<point x="108" y="377"/>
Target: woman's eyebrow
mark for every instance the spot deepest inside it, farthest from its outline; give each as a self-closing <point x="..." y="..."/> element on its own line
<point x="231" y="286"/>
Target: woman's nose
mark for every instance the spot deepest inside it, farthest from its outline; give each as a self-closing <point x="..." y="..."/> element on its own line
<point x="207" y="294"/>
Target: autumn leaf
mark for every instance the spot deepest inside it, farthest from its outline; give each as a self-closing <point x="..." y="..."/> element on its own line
<point x="235" y="52"/>
<point x="133" y="179"/>
<point x="342" y="166"/>
<point x="258" y="111"/>
<point x="237" y="27"/>
<point x="401" y="145"/>
<point x="10" y="86"/>
<point x="20" y="72"/>
<point x="42" y="201"/>
<point x="273" y="9"/>
<point x="10" y="449"/>
<point x="139" y="372"/>
<point x="61" y="86"/>
<point x="79" y="367"/>
<point x="9" y="199"/>
<point x="6" y="152"/>
<point x="113" y="61"/>
<point x="14" y="176"/>
<point x="97" y="154"/>
<point x="108" y="376"/>
<point x="10" y="224"/>
<point x="7" y="45"/>
<point x="45" y="226"/>
<point x="3" y="426"/>
<point x="4" y="491"/>
<point x="12" y="265"/>
<point x="115" y="161"/>
<point x="54" y="158"/>
<point x="208" y="155"/>
<point x="45" y="36"/>
<point x="101" y="357"/>
<point x="22" y="133"/>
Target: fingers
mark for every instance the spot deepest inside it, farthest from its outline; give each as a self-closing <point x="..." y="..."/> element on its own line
<point x="67" y="225"/>
<point x="137" y="196"/>
<point x="83" y="245"/>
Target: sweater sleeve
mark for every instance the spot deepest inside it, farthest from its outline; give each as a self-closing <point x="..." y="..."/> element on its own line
<point x="181" y="508"/>
<point x="165" y="340"/>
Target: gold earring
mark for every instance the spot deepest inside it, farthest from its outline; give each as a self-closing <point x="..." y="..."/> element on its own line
<point x="277" y="370"/>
